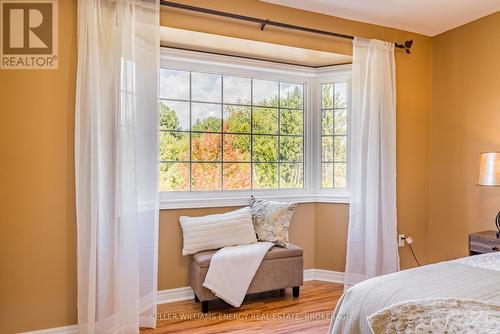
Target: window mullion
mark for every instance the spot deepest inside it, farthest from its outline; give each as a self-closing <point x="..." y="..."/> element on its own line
<point x="279" y="135"/>
<point x="251" y="134"/>
<point x="190" y="133"/>
<point x="222" y="134"/>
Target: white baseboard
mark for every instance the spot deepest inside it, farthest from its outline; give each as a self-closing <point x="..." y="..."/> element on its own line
<point x="73" y="329"/>
<point x="186" y="293"/>
<point x="175" y="295"/>
<point x="324" y="275"/>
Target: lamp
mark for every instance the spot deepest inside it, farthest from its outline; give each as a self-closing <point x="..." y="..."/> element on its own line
<point x="489" y="175"/>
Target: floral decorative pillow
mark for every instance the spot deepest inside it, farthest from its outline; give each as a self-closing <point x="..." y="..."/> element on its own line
<point x="271" y="220"/>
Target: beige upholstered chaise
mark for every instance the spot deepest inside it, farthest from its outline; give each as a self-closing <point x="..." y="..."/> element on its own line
<point x="281" y="268"/>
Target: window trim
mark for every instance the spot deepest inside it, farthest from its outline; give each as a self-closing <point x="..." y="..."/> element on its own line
<point x="310" y="78"/>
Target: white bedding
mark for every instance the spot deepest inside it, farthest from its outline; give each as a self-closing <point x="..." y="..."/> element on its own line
<point x="486" y="261"/>
<point x="474" y="278"/>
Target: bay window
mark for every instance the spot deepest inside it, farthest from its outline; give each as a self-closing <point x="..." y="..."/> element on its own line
<point x="229" y="129"/>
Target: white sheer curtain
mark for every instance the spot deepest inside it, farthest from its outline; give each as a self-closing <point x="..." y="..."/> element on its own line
<point x="116" y="164"/>
<point x="372" y="238"/>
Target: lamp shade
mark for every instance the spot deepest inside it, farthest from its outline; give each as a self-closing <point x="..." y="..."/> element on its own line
<point x="489" y="169"/>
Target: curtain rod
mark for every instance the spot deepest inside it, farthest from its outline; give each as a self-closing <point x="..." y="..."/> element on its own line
<point x="263" y="23"/>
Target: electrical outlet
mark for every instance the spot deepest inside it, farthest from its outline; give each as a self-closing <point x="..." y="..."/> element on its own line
<point x="401" y="240"/>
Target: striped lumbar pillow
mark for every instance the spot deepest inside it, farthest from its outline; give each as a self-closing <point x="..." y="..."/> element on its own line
<point x="217" y="231"/>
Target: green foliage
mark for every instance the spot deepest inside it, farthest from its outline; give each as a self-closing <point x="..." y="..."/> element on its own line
<point x="265" y="148"/>
<point x="209" y="124"/>
<point x="174" y="176"/>
<point x="291" y="149"/>
<point x="265" y="175"/>
<point x="236" y="119"/>
<point x="340" y="122"/>
<point x="293" y="99"/>
<point x="168" y="118"/>
<point x="291" y="175"/>
<point x="174" y="146"/>
<point x="292" y="122"/>
<point x="265" y="120"/>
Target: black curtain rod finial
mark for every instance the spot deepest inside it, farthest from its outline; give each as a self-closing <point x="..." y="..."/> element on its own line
<point x="406" y="46"/>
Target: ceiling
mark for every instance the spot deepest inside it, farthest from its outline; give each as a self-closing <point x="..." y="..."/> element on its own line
<point x="187" y="39"/>
<point x="428" y="17"/>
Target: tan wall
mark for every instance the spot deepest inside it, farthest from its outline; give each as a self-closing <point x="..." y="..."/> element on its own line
<point x="331" y="236"/>
<point x="465" y="121"/>
<point x="37" y="192"/>
<point x="37" y="211"/>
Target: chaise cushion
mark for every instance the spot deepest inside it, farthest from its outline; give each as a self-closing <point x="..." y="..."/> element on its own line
<point x="202" y="259"/>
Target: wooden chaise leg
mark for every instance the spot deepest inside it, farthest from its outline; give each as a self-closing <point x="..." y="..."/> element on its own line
<point x="204" y="306"/>
<point x="296" y="291"/>
<point x="196" y="299"/>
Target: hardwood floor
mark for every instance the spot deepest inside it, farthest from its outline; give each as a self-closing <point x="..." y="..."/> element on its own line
<point x="271" y="312"/>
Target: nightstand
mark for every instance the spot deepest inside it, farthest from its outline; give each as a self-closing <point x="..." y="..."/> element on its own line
<point x="483" y="242"/>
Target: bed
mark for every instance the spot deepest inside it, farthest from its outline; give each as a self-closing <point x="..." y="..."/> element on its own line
<point x="471" y="278"/>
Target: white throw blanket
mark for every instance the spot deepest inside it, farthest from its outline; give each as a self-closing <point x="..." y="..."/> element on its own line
<point x="232" y="269"/>
<point x="438" y="316"/>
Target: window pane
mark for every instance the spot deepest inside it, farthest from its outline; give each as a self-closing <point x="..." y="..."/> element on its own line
<point x="236" y="176"/>
<point x="327" y="95"/>
<point x="174" y="84"/>
<point x="174" y="176"/>
<point x="206" y="176"/>
<point x="206" y="117"/>
<point x="327" y="175"/>
<point x="174" y="115"/>
<point x="327" y="122"/>
<point x="236" y="119"/>
<point x="340" y="122"/>
<point x="265" y="176"/>
<point x="237" y="90"/>
<point x="265" y="148"/>
<point x="340" y="175"/>
<point x="265" y="120"/>
<point x="206" y="146"/>
<point x="174" y="146"/>
<point x="326" y="149"/>
<point x="291" y="149"/>
<point x="292" y="122"/>
<point x="341" y="95"/>
<point x="236" y="148"/>
<point x="291" y="95"/>
<point x="265" y="93"/>
<point x="291" y="176"/>
<point x="206" y="87"/>
<point x="340" y="148"/>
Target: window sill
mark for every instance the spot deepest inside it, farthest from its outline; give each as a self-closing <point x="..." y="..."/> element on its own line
<point x="188" y="203"/>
